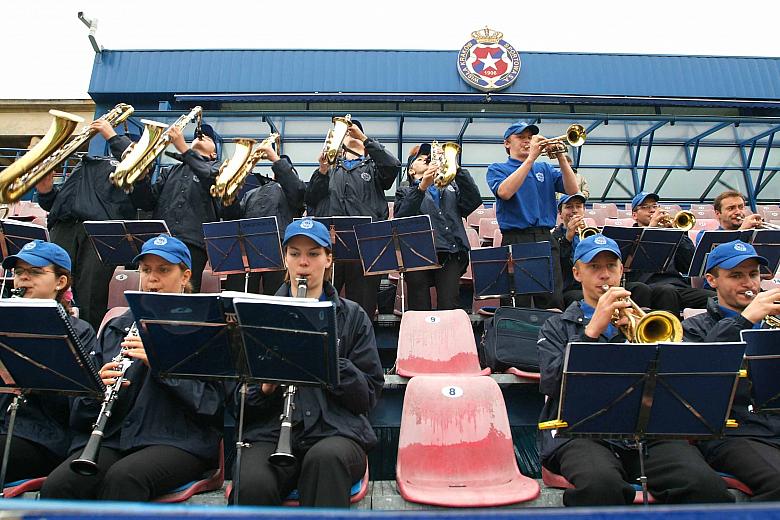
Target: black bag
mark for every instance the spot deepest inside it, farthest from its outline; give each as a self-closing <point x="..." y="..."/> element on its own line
<point x="510" y="339"/>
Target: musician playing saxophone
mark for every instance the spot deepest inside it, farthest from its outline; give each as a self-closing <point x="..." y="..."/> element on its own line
<point x="330" y="428"/>
<point x="446" y="206"/>
<point x="162" y="432"/>
<point x="602" y="471"/>
<point x="180" y="195"/>
<point x="41" y="438"/>
<point x="750" y="452"/>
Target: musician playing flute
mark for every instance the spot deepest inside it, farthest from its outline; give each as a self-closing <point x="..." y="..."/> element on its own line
<point x="602" y="471"/>
<point x="330" y="432"/>
<point x="162" y="433"/>
<point x="750" y="452"/>
<point x="41" y="438"/>
<point x="446" y="206"/>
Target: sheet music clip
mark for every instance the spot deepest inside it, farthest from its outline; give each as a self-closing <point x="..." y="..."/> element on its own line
<point x="118" y="242"/>
<point x="711" y="239"/>
<point x="647" y="391"/>
<point x="763" y="362"/>
<point x="402" y="244"/>
<point x="244" y="246"/>
<point x="510" y="270"/>
<point x="644" y="248"/>
<point x="14" y="234"/>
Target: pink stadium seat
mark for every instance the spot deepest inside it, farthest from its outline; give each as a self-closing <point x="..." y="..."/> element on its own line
<point x="210" y="283"/>
<point x="768" y="285"/>
<point x="473" y="237"/>
<point x="390" y="206"/>
<point x="212" y="482"/>
<point x="455" y="446"/>
<point x="480" y="213"/>
<point x="623" y="222"/>
<point x="732" y="483"/>
<point x="486" y="228"/>
<point x="437" y="342"/>
<point x="688" y="312"/>
<point x="771" y="214"/>
<point x="700" y="207"/>
<point x="611" y="208"/>
<point x="123" y="280"/>
<point x="624" y="213"/>
<point x="704" y="213"/>
<point x="597" y="215"/>
<point x="112" y="313"/>
<point x="672" y="209"/>
<point x="554" y="480"/>
<point x="20" y="487"/>
<point x="497" y="238"/>
<point x="591" y="222"/>
<point x="706" y="223"/>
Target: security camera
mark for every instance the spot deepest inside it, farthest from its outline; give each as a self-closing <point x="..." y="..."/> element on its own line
<point x="91" y="23"/>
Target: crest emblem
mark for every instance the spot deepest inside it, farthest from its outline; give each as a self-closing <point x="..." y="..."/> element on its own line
<point x="539" y="176"/>
<point x="160" y="241"/>
<point x="28" y="246"/>
<point x="600" y="241"/>
<point x="487" y="62"/>
<point x="307" y="224"/>
<point x="365" y="176"/>
<point x="740" y="247"/>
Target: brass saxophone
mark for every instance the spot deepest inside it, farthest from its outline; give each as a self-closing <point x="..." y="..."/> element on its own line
<point x="53" y="149"/>
<point x="156" y="137"/>
<point x="234" y="171"/>
<point x="446" y="157"/>
<point x="335" y="137"/>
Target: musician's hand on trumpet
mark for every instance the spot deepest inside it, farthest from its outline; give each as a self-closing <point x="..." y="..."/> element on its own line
<point x="535" y="147"/>
<point x="573" y="226"/>
<point x="610" y="304"/>
<point x="753" y="221"/>
<point x="661" y="218"/>
<point x="761" y="305"/>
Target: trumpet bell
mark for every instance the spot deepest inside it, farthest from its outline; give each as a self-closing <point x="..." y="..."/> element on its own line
<point x="576" y="135"/>
<point x="658" y="326"/>
<point x="684" y="220"/>
<point x="588" y="232"/>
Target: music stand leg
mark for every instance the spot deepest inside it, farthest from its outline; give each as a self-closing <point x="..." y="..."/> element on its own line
<point x="403" y="302"/>
<point x="246" y="282"/>
<point x="240" y="444"/>
<point x="640" y="446"/>
<point x="18" y="400"/>
<point x="5" y="280"/>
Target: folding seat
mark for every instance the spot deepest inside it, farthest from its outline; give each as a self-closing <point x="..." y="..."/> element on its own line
<point x="390" y="206"/>
<point x="597" y="215"/>
<point x="624" y="222"/>
<point x="437" y="342"/>
<point x="610" y="207"/>
<point x="624" y="213"/>
<point x="700" y="207"/>
<point x="704" y="213"/>
<point x="498" y="238"/>
<point x="211" y="482"/>
<point x="123" y="280"/>
<point x="20" y="487"/>
<point x="455" y="446"/>
<point x="480" y="213"/>
<point x="487" y="227"/>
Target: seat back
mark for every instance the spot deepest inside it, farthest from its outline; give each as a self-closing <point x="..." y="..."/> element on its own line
<point x="487" y="226"/>
<point x="480" y="213"/>
<point x="112" y="313"/>
<point x="610" y="207"/>
<point x="123" y="280"/>
<point x="437" y="342"/>
<point x="597" y="215"/>
<point x="20" y="487"/>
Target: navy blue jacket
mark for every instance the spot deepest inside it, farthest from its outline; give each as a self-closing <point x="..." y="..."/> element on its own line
<point x="43" y="418"/>
<point x="183" y="413"/>
<point x="323" y="413"/>
<point x="458" y="200"/>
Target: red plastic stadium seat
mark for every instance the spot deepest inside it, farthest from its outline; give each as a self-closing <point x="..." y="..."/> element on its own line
<point x="390" y="207"/>
<point x="480" y="213"/>
<point x="455" y="446"/>
<point x="701" y="207"/>
<point x="624" y="213"/>
<point x="473" y="237"/>
<point x="211" y="483"/>
<point x="210" y="282"/>
<point x="623" y="222"/>
<point x="487" y="226"/>
<point x="123" y="280"/>
<point x="610" y="207"/>
<point x="706" y="223"/>
<point x="498" y="238"/>
<point x="704" y="213"/>
<point x="732" y="483"/>
<point x="112" y="313"/>
<point x="671" y="209"/>
<point x="597" y="215"/>
<point x="554" y="480"/>
<point x="20" y="487"/>
<point x="437" y="342"/>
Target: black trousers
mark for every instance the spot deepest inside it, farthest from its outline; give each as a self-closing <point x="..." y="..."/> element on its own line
<point x="272" y="280"/>
<point x="90" y="276"/>
<point x="641" y="294"/>
<point x="27" y="459"/>
<point x="359" y="288"/>
<point x="755" y="463"/>
<point x="446" y="280"/>
<point x="199" y="259"/>
<point x="139" y="476"/>
<point x="323" y="474"/>
<point x="538" y="300"/>
<point x="601" y="472"/>
<point x="675" y="298"/>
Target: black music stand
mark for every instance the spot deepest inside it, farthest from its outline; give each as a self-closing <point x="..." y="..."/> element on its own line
<point x="402" y="244"/>
<point x="645" y="248"/>
<point x="763" y="364"/>
<point x="342" y="236"/>
<point x="240" y="337"/>
<point x="647" y="391"/>
<point x="244" y="246"/>
<point x="709" y="240"/>
<point x="511" y="270"/>
<point x="41" y="353"/>
<point x="767" y="244"/>
<point x="14" y="235"/>
<point x="117" y="242"/>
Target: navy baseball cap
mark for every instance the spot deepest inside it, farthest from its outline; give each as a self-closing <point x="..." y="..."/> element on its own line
<point x="423" y="149"/>
<point x="566" y="198"/>
<point x="39" y="253"/>
<point x="357" y="124"/>
<point x="208" y="131"/>
<point x="168" y="248"/>
<point x="518" y="127"/>
<point x="308" y="228"/>
<point x="641" y="197"/>
<point x="731" y="254"/>
<point x="593" y="245"/>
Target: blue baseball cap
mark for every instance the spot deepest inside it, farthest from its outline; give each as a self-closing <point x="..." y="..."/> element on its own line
<point x="566" y="198"/>
<point x="641" y="197"/>
<point x="731" y="254"/>
<point x="518" y="127"/>
<point x="39" y="253"/>
<point x="593" y="245"/>
<point x="308" y="228"/>
<point x="168" y="248"/>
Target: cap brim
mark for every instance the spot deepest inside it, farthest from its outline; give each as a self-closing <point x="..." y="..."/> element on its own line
<point x="590" y="255"/>
<point x="731" y="263"/>
<point x="315" y="239"/>
<point x="648" y="196"/>
<point x="33" y="260"/>
<point x="165" y="255"/>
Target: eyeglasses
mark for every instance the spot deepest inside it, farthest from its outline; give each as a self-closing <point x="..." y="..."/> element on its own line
<point x="33" y="271"/>
<point x="648" y="207"/>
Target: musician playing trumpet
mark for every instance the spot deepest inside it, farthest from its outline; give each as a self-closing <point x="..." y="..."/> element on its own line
<point x="330" y="432"/>
<point x="446" y="206"/>
<point x="602" y="471"/>
<point x="163" y="432"/>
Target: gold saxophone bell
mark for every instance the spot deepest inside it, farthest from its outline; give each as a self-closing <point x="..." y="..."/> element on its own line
<point x="234" y="171"/>
<point x="684" y="220"/>
<point x="648" y="327"/>
<point x="446" y="157"/>
<point x="335" y="137"/>
<point x="575" y="136"/>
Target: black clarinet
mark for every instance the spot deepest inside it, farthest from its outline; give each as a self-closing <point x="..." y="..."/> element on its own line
<point x="87" y="463"/>
<point x="283" y="455"/>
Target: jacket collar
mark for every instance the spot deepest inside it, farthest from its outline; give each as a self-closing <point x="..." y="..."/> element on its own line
<point x="713" y="308"/>
<point x="574" y="313"/>
<point x="328" y="288"/>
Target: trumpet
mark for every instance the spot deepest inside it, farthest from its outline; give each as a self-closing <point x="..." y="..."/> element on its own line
<point x="771" y="321"/>
<point x="446" y="157"/>
<point x="22" y="176"/>
<point x="234" y="171"/>
<point x="335" y="138"/>
<point x="134" y="166"/>
<point x="575" y="136"/>
<point x="684" y="220"/>
<point x="585" y="231"/>
<point x="763" y="225"/>
<point x="648" y="327"/>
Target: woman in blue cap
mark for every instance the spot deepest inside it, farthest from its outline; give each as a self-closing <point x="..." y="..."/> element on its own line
<point x="163" y="432"/>
<point x="42" y="270"/>
<point x="330" y="432"/>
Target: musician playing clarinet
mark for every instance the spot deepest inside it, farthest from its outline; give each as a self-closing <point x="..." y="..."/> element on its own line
<point x="40" y="440"/>
<point x="330" y="431"/>
<point x="162" y="433"/>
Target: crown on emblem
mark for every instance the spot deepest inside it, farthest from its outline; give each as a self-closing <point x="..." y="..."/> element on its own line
<point x="487" y="35"/>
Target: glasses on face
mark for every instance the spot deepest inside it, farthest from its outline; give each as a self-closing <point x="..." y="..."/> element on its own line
<point x="649" y="207"/>
<point x="32" y="271"/>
